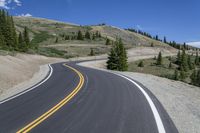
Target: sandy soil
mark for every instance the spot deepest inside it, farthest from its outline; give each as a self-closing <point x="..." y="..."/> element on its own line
<point x="22" y="71"/>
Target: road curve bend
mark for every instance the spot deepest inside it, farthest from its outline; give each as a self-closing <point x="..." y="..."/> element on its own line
<point x="76" y="99"/>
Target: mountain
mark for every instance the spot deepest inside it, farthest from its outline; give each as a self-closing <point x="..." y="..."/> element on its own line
<point x="50" y="36"/>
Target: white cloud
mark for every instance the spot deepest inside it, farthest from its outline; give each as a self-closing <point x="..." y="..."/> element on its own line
<point x="139" y="27"/>
<point x="195" y="44"/>
<point x="5" y="3"/>
<point x="25" y="15"/>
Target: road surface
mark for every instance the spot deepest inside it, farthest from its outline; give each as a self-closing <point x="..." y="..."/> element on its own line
<point x="76" y="99"/>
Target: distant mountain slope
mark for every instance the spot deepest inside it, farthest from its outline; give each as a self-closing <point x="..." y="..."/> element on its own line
<point x="44" y="32"/>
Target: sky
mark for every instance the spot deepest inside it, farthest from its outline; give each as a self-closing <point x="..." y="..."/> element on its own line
<point x="178" y="20"/>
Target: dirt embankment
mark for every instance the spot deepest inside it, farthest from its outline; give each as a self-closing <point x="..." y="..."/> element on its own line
<point x="22" y="71"/>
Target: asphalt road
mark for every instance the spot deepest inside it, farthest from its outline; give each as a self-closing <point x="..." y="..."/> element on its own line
<point x="105" y="103"/>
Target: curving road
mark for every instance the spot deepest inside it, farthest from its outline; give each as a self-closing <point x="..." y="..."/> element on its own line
<point x="76" y="99"/>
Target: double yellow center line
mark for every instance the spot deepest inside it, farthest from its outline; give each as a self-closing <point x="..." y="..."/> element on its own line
<point x="56" y="107"/>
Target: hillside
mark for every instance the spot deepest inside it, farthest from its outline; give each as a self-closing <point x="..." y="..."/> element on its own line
<point x="44" y="33"/>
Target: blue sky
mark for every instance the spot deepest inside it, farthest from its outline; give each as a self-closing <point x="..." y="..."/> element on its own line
<point x="176" y="19"/>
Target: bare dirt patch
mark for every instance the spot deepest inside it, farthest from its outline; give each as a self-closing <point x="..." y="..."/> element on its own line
<point x="17" y="71"/>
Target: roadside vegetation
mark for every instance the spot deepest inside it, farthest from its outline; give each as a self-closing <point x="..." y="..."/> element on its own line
<point x="183" y="67"/>
<point x="117" y="58"/>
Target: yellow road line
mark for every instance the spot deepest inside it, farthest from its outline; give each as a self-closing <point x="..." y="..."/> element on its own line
<point x="56" y="107"/>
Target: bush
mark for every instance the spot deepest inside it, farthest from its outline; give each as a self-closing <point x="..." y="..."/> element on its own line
<point x="141" y="64"/>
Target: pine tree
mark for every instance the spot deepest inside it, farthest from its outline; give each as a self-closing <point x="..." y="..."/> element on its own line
<point x="184" y="62"/>
<point x="182" y="73"/>
<point x="93" y="36"/>
<point x="112" y="63"/>
<point x="157" y="37"/>
<point x="176" y="75"/>
<point x="159" y="59"/>
<point x="198" y="78"/>
<point x="99" y="35"/>
<point x="170" y="65"/>
<point x="193" y="77"/>
<point x="56" y="41"/>
<point x="2" y="43"/>
<point x="26" y="37"/>
<point x="165" y="40"/>
<point x="141" y="64"/>
<point x="91" y="52"/>
<point x="80" y="35"/>
<point x="197" y="59"/>
<point x="190" y="64"/>
<point x="87" y="35"/>
<point x="107" y="41"/>
<point x="152" y="45"/>
<point x="117" y="58"/>
<point x="21" y="46"/>
<point x="123" y="65"/>
<point x="179" y="58"/>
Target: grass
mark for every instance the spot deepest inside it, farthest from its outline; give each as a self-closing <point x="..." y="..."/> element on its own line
<point x="40" y="37"/>
<point x="52" y="52"/>
<point x="163" y="70"/>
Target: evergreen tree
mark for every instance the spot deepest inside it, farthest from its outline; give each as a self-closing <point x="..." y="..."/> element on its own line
<point x="26" y="37"/>
<point x="117" y="58"/>
<point x="2" y="43"/>
<point x="170" y="65"/>
<point x="87" y="35"/>
<point x="93" y="36"/>
<point x="184" y="62"/>
<point x="179" y="58"/>
<point x="92" y="52"/>
<point x="123" y="64"/>
<point x="152" y="45"/>
<point x="56" y="41"/>
<point x="197" y="59"/>
<point x="159" y="59"/>
<point x="141" y="64"/>
<point x="112" y="63"/>
<point x="157" y="37"/>
<point x="193" y="77"/>
<point x="165" y="40"/>
<point x="80" y="35"/>
<point x="99" y="35"/>
<point x="107" y="41"/>
<point x="190" y="65"/>
<point x="176" y="75"/>
<point x="182" y="73"/>
<point x="22" y="45"/>
<point x="198" y="78"/>
<point x="67" y="37"/>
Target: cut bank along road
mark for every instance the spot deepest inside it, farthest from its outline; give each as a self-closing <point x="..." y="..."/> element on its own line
<point x="98" y="102"/>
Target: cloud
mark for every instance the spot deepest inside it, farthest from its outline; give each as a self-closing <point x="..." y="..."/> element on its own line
<point x="10" y="4"/>
<point x="25" y="15"/>
<point x="195" y="44"/>
<point x="139" y="27"/>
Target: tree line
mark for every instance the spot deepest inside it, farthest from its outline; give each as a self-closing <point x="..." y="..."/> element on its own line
<point x="81" y="36"/>
<point x="171" y="43"/>
<point x="185" y="63"/>
<point x="9" y="38"/>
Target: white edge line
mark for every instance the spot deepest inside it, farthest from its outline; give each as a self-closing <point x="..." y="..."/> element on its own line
<point x="158" y="120"/>
<point x="27" y="90"/>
